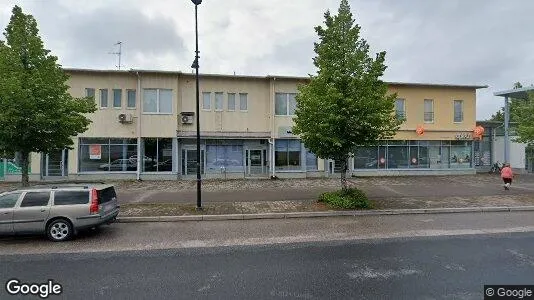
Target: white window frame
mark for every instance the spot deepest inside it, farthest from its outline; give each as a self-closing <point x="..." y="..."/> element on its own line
<point x="135" y="99"/>
<point x="461" y="111"/>
<point x="431" y="111"/>
<point x="100" y="98"/>
<point x="157" y="112"/>
<point x="215" y="101"/>
<point x="228" y="101"/>
<point x="246" y="98"/>
<point x="203" y="103"/>
<point x="403" y="108"/>
<point x="286" y="96"/>
<point x="113" y="93"/>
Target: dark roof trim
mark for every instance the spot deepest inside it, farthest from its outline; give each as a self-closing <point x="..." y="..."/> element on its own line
<point x="274" y="77"/>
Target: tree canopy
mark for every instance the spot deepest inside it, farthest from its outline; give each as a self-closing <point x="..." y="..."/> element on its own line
<point x="38" y="114"/>
<point x="346" y="104"/>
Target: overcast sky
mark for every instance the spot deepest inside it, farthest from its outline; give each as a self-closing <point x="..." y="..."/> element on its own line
<point x="435" y="41"/>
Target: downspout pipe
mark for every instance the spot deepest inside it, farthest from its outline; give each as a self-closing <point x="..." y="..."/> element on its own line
<point x="139" y="157"/>
<point x="271" y="156"/>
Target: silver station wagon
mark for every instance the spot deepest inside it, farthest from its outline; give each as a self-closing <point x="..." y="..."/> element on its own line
<point x="59" y="211"/>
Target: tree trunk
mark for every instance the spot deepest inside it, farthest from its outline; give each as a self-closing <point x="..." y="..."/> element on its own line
<point x="344" y="185"/>
<point x="24" y="165"/>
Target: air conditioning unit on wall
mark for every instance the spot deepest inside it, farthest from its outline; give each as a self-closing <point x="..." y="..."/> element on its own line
<point x="187" y="117"/>
<point x="125" y="118"/>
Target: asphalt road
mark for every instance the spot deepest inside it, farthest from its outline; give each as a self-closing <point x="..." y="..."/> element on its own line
<point x="413" y="268"/>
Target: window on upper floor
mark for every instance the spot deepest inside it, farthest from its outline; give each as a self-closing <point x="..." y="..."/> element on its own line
<point x="458" y="111"/>
<point x="131" y="99"/>
<point x="90" y="93"/>
<point x="429" y="111"/>
<point x="231" y="101"/>
<point x="219" y="101"/>
<point x="157" y="101"/>
<point x="117" y="98"/>
<point x="103" y="98"/>
<point x="285" y="104"/>
<point x="206" y="101"/>
<point x="243" y="101"/>
<point x="400" y="109"/>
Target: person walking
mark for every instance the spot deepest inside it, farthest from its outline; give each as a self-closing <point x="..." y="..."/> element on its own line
<point x="507" y="175"/>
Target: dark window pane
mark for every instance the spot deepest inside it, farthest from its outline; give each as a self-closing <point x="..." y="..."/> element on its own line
<point x="35" y="199"/>
<point x="150" y="159"/>
<point x="164" y="155"/>
<point x="106" y="195"/>
<point x="397" y="157"/>
<point x="117" y="98"/>
<point x="92" y="163"/>
<point x="131" y="99"/>
<point x="366" y="158"/>
<point x="71" y="197"/>
<point x="103" y="98"/>
<point x="9" y="200"/>
<point x="122" y="141"/>
<point x="311" y="161"/>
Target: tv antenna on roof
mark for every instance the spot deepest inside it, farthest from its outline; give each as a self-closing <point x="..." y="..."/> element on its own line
<point x="119" y="43"/>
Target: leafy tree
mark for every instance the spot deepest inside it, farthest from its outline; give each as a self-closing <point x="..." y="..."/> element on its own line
<point x="38" y="114"/>
<point x="345" y="104"/>
<point x="514" y="103"/>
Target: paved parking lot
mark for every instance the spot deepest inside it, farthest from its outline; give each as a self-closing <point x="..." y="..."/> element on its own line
<point x="380" y="188"/>
<point x="302" y="189"/>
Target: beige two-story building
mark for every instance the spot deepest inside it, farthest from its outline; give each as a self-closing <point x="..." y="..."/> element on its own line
<point x="245" y="126"/>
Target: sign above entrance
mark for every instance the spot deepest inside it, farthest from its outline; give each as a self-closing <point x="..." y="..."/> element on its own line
<point x="95" y="151"/>
<point x="463" y="136"/>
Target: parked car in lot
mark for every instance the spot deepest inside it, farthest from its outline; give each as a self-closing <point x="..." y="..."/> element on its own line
<point x="58" y="211"/>
<point x="119" y="165"/>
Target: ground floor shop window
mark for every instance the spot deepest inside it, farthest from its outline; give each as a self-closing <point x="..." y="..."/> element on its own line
<point x="224" y="158"/>
<point x="287" y="155"/>
<point x="414" y="155"/>
<point x="107" y="155"/>
<point x="460" y="154"/>
<point x="157" y="155"/>
<point x="311" y="161"/>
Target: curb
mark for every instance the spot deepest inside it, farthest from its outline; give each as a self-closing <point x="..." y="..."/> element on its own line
<point x="293" y="215"/>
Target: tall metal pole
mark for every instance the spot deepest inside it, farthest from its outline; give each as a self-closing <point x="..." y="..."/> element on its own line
<point x="196" y="64"/>
<point x="506" y="130"/>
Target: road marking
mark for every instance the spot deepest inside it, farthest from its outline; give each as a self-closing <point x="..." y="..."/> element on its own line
<point x="454" y="267"/>
<point x="522" y="258"/>
<point x="369" y="273"/>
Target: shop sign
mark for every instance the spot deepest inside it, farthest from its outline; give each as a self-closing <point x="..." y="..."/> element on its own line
<point x="463" y="136"/>
<point x="95" y="151"/>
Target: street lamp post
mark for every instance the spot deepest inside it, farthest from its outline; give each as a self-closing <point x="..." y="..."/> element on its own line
<point x="196" y="66"/>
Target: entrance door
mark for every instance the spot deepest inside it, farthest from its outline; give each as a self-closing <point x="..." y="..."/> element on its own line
<point x="55" y="164"/>
<point x="189" y="162"/>
<point x="254" y="161"/>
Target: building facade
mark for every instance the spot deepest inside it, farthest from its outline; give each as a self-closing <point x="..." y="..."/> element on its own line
<point x="144" y="128"/>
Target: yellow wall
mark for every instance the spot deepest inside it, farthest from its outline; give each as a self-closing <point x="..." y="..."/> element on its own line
<point x="443" y="110"/>
<point x="260" y="114"/>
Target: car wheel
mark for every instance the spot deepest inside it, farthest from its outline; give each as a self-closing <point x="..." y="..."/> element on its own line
<point x="59" y="230"/>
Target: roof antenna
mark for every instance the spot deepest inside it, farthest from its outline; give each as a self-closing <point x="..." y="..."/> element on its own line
<point x="119" y="54"/>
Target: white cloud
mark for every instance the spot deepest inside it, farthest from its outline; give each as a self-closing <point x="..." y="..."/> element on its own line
<point x="453" y="41"/>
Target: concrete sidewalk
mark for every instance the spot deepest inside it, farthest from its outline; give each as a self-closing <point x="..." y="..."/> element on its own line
<point x="380" y="188"/>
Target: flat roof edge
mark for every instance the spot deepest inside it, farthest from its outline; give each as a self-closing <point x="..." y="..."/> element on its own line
<point x="300" y="78"/>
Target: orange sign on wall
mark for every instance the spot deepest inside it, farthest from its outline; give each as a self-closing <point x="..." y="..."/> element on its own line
<point x="478" y="132"/>
<point x="420" y="130"/>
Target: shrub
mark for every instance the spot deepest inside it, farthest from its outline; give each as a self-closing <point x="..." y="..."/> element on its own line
<point x="351" y="198"/>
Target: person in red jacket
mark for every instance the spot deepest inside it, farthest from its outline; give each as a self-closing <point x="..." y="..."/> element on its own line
<point x="507" y="175"/>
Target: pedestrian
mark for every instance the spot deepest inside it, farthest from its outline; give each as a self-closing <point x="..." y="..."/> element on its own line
<point x="507" y="175"/>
